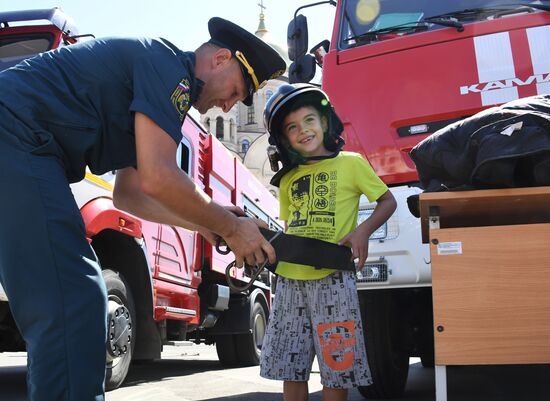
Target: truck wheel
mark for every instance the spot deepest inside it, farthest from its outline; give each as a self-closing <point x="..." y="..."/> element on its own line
<point x="120" y="330"/>
<point x="249" y="345"/>
<point x="227" y="353"/>
<point x="388" y="364"/>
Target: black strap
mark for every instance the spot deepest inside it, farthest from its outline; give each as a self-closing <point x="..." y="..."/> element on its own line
<point x="308" y="251"/>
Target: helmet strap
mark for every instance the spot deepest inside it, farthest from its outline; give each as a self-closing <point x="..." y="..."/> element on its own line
<point x="331" y="156"/>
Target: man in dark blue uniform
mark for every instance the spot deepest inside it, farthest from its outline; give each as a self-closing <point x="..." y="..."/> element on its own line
<point x="106" y="104"/>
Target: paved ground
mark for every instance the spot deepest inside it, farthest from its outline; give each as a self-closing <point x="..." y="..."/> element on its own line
<point x="193" y="373"/>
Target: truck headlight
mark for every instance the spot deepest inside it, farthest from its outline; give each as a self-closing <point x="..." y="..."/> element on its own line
<point x="373" y="272"/>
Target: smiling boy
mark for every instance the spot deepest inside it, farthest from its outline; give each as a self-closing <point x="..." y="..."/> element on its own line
<point x="316" y="311"/>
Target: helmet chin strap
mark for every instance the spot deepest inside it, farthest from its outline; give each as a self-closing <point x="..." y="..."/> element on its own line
<point x="276" y="179"/>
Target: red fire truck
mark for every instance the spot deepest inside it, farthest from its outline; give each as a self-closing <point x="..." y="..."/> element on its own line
<point x="397" y="71"/>
<point x="164" y="283"/>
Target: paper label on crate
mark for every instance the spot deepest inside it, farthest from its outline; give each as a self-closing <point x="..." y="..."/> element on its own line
<point x="449" y="248"/>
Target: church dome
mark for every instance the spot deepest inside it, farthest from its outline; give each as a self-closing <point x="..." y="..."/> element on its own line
<point x="264" y="34"/>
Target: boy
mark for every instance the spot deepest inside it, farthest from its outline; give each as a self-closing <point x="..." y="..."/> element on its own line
<point x="316" y="311"/>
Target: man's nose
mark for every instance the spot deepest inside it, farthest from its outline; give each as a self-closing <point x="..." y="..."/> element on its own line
<point x="227" y="105"/>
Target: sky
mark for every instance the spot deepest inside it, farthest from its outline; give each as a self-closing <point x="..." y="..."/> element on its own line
<point x="183" y="22"/>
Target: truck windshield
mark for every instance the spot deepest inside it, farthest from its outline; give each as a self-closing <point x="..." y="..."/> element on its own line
<point x="14" y="48"/>
<point x="366" y="21"/>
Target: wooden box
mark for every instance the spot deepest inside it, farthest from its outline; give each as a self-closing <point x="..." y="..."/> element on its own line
<point x="490" y="254"/>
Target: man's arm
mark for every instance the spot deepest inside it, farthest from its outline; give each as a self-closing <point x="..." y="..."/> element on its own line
<point x="129" y="197"/>
<point x="160" y="181"/>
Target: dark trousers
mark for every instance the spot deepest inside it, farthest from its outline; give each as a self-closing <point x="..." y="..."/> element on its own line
<point x="49" y="271"/>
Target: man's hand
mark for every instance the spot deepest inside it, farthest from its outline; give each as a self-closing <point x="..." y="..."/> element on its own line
<point x="358" y="239"/>
<point x="248" y="244"/>
<point x="237" y="211"/>
<point x="208" y="235"/>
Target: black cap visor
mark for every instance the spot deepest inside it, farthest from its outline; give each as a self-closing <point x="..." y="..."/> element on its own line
<point x="259" y="62"/>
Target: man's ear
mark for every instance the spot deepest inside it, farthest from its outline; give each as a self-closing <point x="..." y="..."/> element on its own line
<point x="221" y="57"/>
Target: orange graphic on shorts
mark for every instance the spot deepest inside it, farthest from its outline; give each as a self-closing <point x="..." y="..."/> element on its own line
<point x="334" y="344"/>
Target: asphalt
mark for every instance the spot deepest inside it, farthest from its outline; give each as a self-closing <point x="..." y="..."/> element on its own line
<point x="193" y="373"/>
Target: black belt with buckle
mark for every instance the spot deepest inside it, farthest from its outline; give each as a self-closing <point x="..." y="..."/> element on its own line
<point x="294" y="249"/>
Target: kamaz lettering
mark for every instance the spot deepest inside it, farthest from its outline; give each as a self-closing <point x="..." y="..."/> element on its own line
<point x="504" y="83"/>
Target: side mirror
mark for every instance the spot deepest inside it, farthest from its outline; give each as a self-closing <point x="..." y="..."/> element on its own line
<point x="319" y="51"/>
<point x="302" y="70"/>
<point x="297" y="37"/>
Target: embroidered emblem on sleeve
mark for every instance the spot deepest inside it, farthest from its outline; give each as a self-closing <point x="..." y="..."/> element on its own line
<point x="180" y="98"/>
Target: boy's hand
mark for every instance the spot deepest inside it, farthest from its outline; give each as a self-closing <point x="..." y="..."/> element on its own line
<point x="358" y="239"/>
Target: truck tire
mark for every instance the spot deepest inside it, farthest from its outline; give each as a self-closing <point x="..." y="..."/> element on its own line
<point x="120" y="330"/>
<point x="249" y="345"/>
<point x="388" y="364"/>
<point x="227" y="352"/>
<point x="244" y="349"/>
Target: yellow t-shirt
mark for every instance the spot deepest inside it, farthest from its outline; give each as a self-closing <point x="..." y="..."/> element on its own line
<point x="321" y="200"/>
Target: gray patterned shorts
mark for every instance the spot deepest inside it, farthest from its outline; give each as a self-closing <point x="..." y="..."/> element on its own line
<point x="316" y="318"/>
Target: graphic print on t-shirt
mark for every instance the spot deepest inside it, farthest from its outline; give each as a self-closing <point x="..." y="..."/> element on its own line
<point x="299" y="201"/>
<point x="312" y="205"/>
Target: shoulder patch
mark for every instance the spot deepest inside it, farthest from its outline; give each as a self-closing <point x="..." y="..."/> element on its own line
<point x="180" y="98"/>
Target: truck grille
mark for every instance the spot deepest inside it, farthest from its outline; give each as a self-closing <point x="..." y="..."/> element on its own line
<point x="375" y="272"/>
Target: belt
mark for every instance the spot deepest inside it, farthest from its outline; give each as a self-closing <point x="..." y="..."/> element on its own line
<point x="294" y="249"/>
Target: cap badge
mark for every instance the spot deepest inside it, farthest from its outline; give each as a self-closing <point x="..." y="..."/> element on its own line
<point x="276" y="74"/>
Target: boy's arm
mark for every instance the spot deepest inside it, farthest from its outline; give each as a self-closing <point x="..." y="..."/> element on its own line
<point x="358" y="239"/>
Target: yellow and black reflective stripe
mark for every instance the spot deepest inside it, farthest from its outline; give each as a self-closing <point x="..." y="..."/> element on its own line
<point x="99" y="181"/>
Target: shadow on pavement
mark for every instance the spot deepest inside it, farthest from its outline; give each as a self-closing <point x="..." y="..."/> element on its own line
<point x="250" y="397"/>
<point x="465" y="383"/>
<point x="151" y="371"/>
<point x="477" y="383"/>
<point x="502" y="382"/>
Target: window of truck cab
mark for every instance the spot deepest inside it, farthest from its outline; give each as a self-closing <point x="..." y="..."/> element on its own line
<point x="183" y="155"/>
<point x="17" y="47"/>
<point x="359" y="17"/>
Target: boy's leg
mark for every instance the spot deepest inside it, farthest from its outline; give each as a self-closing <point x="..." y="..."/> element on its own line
<point x="51" y="277"/>
<point x="335" y="394"/>
<point x="295" y="391"/>
<point x="338" y="333"/>
<point x="288" y="350"/>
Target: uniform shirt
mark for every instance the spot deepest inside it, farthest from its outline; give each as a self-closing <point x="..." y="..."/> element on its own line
<point x="321" y="200"/>
<point x="80" y="100"/>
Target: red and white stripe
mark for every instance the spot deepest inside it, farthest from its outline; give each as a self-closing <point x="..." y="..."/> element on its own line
<point x="539" y="44"/>
<point x="500" y="54"/>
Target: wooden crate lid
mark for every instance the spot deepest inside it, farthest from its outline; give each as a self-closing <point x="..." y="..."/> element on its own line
<point x="489" y="207"/>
